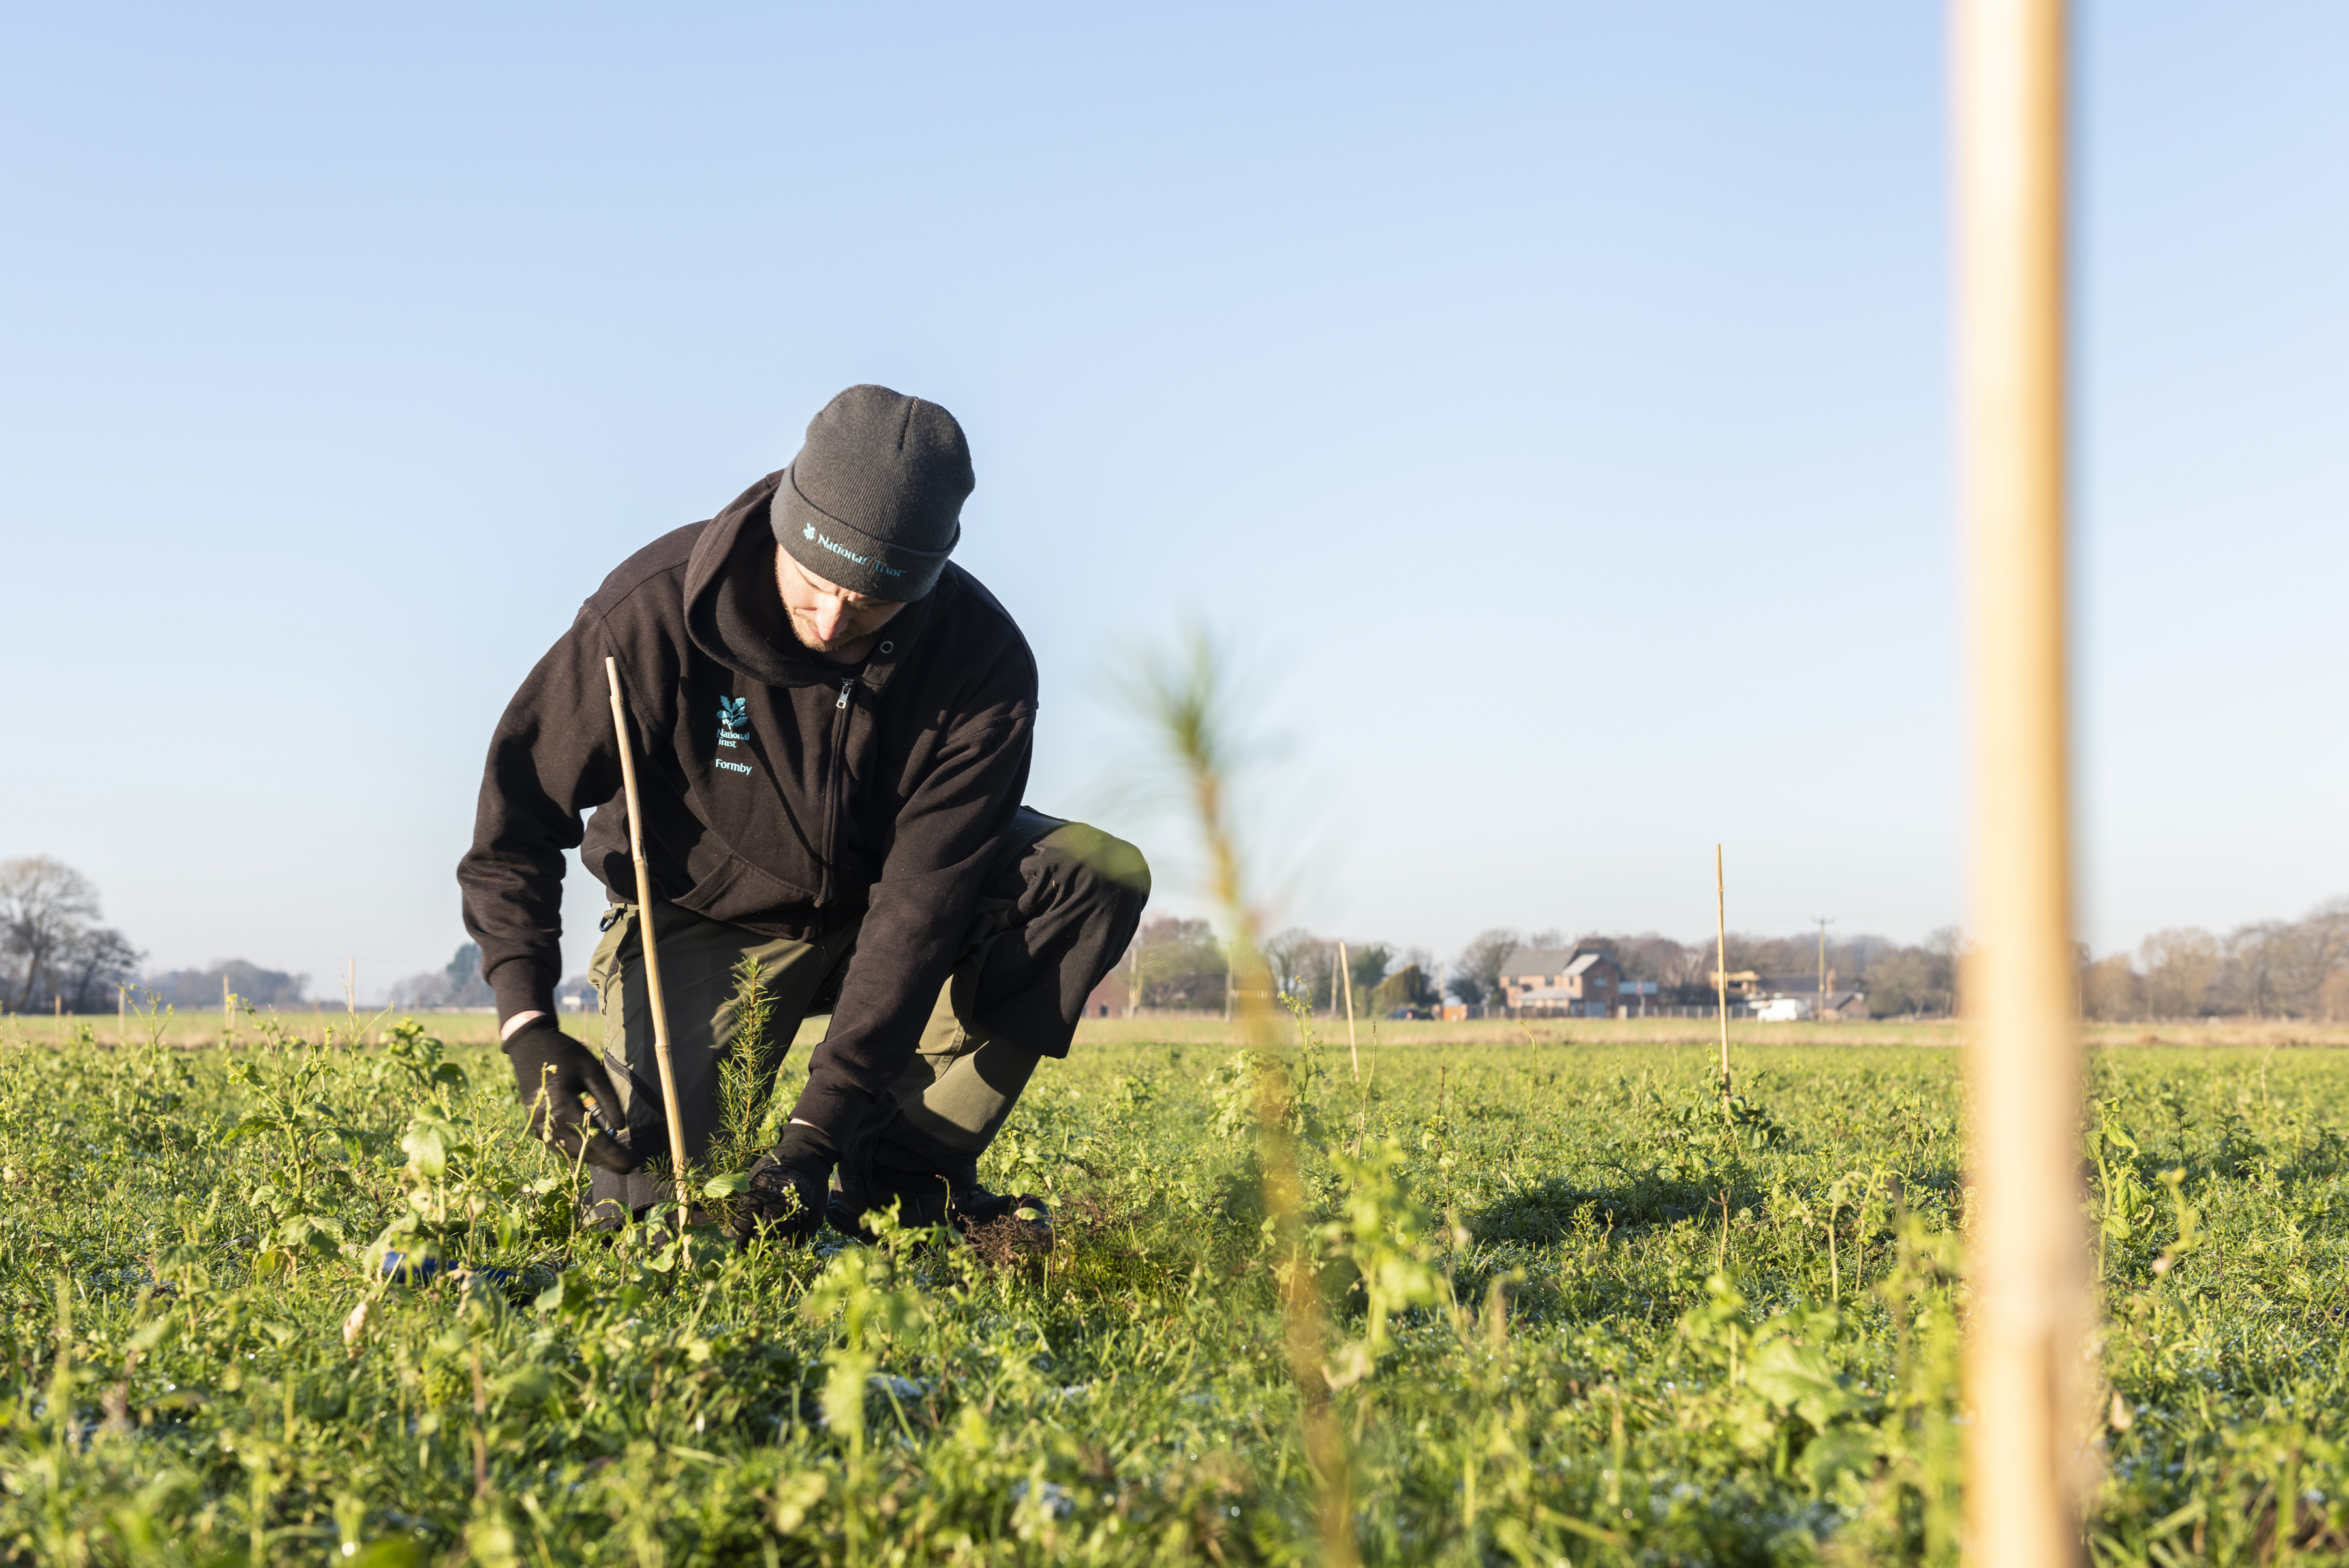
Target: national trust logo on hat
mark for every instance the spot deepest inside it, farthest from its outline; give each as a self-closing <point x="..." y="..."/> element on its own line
<point x="844" y="552"/>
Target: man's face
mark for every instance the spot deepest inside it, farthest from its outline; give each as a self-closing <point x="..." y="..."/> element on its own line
<point x="825" y="616"/>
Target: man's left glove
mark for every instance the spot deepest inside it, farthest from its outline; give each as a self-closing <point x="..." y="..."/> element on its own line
<point x="553" y="1072"/>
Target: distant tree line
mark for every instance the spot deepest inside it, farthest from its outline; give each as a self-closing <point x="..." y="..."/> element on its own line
<point x="54" y="948"/>
<point x="251" y="983"/>
<point x="1919" y="981"/>
<point x="2270" y="969"/>
<point x="54" y="952"/>
<point x="458" y="983"/>
<point x="1179" y="963"/>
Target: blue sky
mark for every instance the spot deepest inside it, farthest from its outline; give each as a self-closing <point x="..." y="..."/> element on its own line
<point x="1547" y="405"/>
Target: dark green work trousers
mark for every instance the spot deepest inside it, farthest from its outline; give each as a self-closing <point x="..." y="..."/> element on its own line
<point x="1056" y="913"/>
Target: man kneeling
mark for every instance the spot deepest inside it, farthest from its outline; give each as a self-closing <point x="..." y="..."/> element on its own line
<point x="832" y="726"/>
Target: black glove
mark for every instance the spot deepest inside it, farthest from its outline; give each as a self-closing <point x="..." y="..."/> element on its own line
<point x="790" y="1187"/>
<point x="551" y="1071"/>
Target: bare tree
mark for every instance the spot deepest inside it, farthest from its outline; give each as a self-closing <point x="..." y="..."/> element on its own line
<point x="1476" y="973"/>
<point x="2305" y="954"/>
<point x="2111" y="990"/>
<point x="43" y="903"/>
<point x="2249" y="976"/>
<point x="2180" y="965"/>
<point x="1302" y="964"/>
<point x="1920" y="981"/>
<point x="2333" y="998"/>
<point x="94" y="961"/>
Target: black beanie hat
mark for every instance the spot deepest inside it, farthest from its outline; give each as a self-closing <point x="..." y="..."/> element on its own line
<point x="874" y="501"/>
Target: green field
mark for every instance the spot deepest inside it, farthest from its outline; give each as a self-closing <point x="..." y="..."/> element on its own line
<point x="479" y="1028"/>
<point x="1610" y="1327"/>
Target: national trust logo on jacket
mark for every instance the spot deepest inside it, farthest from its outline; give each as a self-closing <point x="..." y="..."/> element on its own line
<point x="733" y="727"/>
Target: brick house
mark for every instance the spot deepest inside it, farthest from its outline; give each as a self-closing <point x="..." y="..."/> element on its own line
<point x="1569" y="983"/>
<point x="1113" y="997"/>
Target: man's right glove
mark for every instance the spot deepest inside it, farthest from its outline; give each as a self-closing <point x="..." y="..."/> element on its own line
<point x="791" y="1186"/>
<point x="553" y="1072"/>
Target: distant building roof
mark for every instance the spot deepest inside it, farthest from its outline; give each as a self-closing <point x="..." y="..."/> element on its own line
<point x="1805" y="984"/>
<point x="1551" y="961"/>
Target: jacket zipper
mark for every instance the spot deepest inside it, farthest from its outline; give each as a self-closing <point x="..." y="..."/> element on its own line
<point x="832" y="788"/>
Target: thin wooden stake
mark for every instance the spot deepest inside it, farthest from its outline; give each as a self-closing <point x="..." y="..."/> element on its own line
<point x="1346" y="979"/>
<point x="1721" y="968"/>
<point x="645" y="930"/>
<point x="2023" y="1354"/>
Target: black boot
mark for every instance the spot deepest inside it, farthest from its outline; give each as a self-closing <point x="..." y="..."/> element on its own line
<point x="981" y="1216"/>
<point x="922" y="1200"/>
<point x="936" y="1197"/>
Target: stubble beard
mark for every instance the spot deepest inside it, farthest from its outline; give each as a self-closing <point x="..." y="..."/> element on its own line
<point x="807" y="638"/>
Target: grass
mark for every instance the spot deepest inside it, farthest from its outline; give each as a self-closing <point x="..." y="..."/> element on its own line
<point x="1574" y="1317"/>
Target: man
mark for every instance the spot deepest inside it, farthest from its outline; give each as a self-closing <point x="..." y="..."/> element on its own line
<point x="833" y="727"/>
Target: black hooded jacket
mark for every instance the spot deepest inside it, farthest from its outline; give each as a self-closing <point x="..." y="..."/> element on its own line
<point x="781" y="793"/>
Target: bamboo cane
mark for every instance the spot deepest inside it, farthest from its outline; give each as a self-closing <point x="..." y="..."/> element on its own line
<point x="2023" y="1346"/>
<point x="1346" y="981"/>
<point x="1721" y="968"/>
<point x="645" y="930"/>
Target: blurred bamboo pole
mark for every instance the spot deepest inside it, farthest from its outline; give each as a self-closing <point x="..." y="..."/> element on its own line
<point x="2024" y="1367"/>
<point x="1189" y="704"/>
